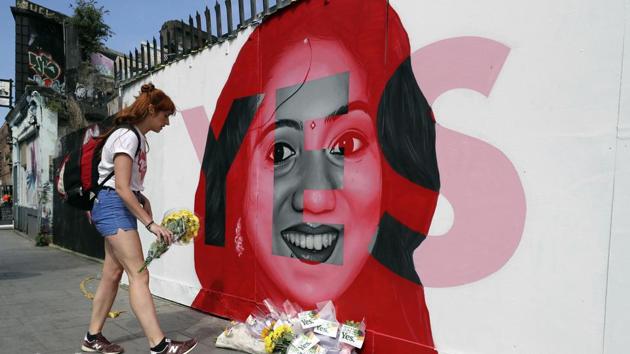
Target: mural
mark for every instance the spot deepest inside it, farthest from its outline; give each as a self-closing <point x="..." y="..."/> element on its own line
<point x="31" y="171"/>
<point x="103" y="64"/>
<point x="514" y="248"/>
<point x="320" y="177"/>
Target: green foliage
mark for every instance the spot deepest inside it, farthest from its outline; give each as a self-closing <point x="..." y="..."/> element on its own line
<point x="42" y="240"/>
<point x="54" y="105"/>
<point x="88" y="18"/>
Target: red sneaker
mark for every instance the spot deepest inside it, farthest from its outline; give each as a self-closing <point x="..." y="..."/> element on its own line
<point x="101" y="345"/>
<point x="175" y="347"/>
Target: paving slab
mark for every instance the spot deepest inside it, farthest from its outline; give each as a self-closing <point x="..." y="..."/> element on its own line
<point x="43" y="311"/>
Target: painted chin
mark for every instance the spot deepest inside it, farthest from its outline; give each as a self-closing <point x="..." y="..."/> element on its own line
<point x="312" y="243"/>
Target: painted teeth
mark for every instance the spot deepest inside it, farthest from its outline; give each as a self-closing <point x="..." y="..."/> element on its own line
<point x="311" y="242"/>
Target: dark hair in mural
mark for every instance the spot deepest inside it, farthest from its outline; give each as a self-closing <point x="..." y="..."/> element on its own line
<point x="406" y="129"/>
<point x="217" y="160"/>
<point x="406" y="132"/>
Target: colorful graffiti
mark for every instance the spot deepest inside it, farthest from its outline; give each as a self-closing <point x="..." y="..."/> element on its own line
<point x="103" y="64"/>
<point x="32" y="174"/>
<point x="320" y="173"/>
<point x="45" y="70"/>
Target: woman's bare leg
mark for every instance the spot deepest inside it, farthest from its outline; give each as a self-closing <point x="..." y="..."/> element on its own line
<point x="127" y="249"/>
<point x="106" y="291"/>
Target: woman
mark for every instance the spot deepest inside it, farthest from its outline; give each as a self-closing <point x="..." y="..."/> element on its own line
<point x="120" y="203"/>
<point x="320" y="176"/>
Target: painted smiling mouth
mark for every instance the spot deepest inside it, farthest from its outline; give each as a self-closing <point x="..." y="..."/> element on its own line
<point x="311" y="243"/>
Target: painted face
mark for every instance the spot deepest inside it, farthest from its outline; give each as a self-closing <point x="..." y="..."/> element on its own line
<point x="313" y="192"/>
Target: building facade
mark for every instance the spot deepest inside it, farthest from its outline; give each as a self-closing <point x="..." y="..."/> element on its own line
<point x="5" y="156"/>
<point x="34" y="123"/>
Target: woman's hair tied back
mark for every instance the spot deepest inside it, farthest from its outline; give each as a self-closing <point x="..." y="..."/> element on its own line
<point x="147" y="88"/>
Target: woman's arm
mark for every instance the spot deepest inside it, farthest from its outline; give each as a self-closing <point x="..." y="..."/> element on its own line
<point x="122" y="171"/>
<point x="146" y="205"/>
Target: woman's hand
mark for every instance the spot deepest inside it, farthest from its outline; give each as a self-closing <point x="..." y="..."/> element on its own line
<point x="162" y="233"/>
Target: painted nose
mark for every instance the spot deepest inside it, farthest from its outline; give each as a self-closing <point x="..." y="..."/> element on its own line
<point x="315" y="194"/>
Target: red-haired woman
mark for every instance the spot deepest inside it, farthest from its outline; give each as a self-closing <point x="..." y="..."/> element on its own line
<point x="120" y="203"/>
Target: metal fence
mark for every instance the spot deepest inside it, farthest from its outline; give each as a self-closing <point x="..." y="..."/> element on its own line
<point x="180" y="38"/>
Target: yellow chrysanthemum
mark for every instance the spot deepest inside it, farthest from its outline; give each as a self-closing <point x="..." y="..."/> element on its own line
<point x="269" y="345"/>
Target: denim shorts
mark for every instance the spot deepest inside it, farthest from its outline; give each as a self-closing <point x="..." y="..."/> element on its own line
<point x="110" y="213"/>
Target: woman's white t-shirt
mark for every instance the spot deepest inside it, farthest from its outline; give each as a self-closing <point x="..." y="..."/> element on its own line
<point x="124" y="141"/>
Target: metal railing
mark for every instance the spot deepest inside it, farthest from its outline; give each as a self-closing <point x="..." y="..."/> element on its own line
<point x="180" y="39"/>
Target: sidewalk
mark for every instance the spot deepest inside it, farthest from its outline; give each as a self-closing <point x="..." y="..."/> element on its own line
<point x="42" y="309"/>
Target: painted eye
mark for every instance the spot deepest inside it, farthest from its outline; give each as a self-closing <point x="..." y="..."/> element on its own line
<point x="348" y="144"/>
<point x="280" y="152"/>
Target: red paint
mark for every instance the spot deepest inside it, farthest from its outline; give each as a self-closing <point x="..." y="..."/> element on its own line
<point x="321" y="41"/>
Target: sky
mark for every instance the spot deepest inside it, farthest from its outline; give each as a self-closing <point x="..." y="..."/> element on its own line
<point x="132" y="21"/>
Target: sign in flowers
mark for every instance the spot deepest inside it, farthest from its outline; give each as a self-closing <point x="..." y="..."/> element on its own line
<point x="292" y="331"/>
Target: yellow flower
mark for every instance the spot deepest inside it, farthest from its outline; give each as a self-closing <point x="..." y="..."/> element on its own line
<point x="269" y="345"/>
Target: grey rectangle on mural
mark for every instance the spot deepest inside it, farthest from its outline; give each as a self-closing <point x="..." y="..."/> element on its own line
<point x="314" y="99"/>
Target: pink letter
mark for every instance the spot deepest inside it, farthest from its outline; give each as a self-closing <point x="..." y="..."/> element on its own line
<point x="479" y="181"/>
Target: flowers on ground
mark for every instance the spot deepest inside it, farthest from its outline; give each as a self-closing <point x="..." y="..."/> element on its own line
<point x="278" y="339"/>
<point x="290" y="330"/>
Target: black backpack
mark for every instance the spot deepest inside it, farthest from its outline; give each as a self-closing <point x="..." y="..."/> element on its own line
<point x="77" y="177"/>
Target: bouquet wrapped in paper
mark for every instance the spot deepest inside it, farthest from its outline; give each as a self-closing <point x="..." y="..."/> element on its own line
<point x="184" y="225"/>
<point x="290" y="330"/>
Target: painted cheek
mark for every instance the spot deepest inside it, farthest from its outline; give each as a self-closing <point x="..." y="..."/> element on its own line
<point x="258" y="208"/>
<point x="362" y="194"/>
<point x="284" y="214"/>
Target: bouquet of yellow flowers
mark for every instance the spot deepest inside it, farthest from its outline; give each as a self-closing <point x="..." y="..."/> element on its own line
<point x="277" y="338"/>
<point x="184" y="225"/>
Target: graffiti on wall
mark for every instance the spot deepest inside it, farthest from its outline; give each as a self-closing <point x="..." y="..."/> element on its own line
<point x="46" y="58"/>
<point x="320" y="172"/>
<point x="103" y="64"/>
<point x="28" y="187"/>
<point x="45" y="71"/>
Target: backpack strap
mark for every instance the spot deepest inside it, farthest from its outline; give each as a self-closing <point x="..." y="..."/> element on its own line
<point x="111" y="174"/>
